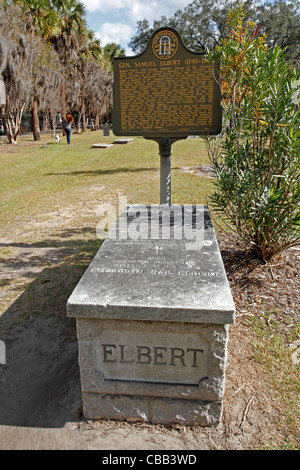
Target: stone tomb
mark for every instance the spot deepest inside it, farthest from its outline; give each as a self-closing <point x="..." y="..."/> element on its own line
<point x="153" y="312"/>
<point x="123" y="141"/>
<point x="101" y="146"/>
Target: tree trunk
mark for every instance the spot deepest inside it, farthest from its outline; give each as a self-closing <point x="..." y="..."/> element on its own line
<point x="35" y="121"/>
<point x="63" y="106"/>
<point x="78" y="123"/>
<point x="12" y="123"/>
<point x="63" y="101"/>
<point x="107" y="111"/>
<point x="97" y="121"/>
<point x="83" y="117"/>
<point x="46" y="121"/>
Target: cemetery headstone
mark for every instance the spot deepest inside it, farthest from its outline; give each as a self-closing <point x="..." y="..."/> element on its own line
<point x="106" y="129"/>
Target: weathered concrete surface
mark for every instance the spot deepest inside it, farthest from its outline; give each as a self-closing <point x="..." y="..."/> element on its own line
<point x="139" y="275"/>
<point x="152" y="314"/>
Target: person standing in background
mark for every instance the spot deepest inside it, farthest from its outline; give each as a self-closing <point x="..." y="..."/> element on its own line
<point x="68" y="127"/>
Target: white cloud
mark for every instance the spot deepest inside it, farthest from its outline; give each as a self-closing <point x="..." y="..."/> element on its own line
<point x="154" y="10"/>
<point x="115" y="20"/>
<point x="141" y="9"/>
<point x="103" y="5"/>
<point x="115" y="32"/>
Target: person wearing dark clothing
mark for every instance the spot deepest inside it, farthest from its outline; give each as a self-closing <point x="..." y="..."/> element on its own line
<point x="68" y="127"/>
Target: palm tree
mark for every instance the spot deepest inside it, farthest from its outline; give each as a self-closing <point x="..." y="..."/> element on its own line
<point x="112" y="50"/>
<point x="91" y="58"/>
<point x="30" y="67"/>
<point x="43" y="18"/>
<point x="43" y="21"/>
<point x="92" y="49"/>
<point x="62" y="24"/>
<point x="72" y="33"/>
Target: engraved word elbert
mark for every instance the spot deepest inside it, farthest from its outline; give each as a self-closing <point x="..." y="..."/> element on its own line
<point x="157" y="355"/>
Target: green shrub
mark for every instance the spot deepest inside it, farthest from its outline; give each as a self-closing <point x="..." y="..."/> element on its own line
<point x="256" y="159"/>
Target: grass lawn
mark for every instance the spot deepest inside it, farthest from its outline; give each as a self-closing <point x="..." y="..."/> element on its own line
<point x="36" y="177"/>
<point x="49" y="195"/>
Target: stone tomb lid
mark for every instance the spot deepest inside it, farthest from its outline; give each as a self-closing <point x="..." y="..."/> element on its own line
<point x="101" y="146"/>
<point x="157" y="279"/>
<point x="123" y="141"/>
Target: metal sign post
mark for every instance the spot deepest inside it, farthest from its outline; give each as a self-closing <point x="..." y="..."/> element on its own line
<point x="165" y="146"/>
<point x="165" y="177"/>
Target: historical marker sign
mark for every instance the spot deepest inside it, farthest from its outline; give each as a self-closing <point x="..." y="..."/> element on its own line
<point x="168" y="90"/>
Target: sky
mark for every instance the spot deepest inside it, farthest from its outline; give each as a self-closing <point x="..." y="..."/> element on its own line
<point x="115" y="20"/>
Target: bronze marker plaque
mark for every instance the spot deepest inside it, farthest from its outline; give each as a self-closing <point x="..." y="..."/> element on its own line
<point x="168" y="90"/>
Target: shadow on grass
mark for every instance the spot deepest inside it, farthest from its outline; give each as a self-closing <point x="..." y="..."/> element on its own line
<point x="40" y="382"/>
<point x="107" y="171"/>
<point x="103" y="172"/>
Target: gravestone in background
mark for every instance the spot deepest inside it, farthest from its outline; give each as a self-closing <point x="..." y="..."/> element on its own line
<point x="106" y="129"/>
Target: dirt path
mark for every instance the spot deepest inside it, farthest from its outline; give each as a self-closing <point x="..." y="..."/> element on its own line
<point x="41" y="400"/>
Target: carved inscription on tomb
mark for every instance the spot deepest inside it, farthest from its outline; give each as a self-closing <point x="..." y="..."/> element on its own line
<point x="152" y="356"/>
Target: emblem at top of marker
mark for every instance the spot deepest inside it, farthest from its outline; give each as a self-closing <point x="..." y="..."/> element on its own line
<point x="165" y="44"/>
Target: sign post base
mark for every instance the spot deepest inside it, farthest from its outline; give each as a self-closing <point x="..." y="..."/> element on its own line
<point x="165" y="150"/>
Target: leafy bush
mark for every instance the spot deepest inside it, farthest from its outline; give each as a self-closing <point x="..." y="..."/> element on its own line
<point x="256" y="159"/>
